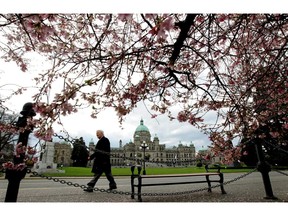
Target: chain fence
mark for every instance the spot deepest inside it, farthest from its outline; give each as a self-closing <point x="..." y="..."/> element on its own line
<point x="142" y="160"/>
<point x="72" y="141"/>
<point x="139" y="160"/>
<point x="283" y="173"/>
<point x="69" y="183"/>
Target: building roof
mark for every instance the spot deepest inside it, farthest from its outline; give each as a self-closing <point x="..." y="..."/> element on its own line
<point x="142" y="127"/>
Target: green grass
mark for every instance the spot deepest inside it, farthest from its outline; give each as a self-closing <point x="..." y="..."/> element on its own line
<point x="125" y="171"/>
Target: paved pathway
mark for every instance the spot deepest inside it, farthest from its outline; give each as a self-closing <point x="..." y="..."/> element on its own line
<point x="247" y="189"/>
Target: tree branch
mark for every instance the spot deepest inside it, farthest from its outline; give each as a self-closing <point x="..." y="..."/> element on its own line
<point x="185" y="27"/>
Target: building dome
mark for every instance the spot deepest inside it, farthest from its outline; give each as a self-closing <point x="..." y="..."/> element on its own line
<point x="142" y="127"/>
<point x="142" y="133"/>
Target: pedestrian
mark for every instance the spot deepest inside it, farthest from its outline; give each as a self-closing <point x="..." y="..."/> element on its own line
<point x="101" y="163"/>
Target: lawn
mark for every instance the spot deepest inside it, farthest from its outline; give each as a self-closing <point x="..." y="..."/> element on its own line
<point x="125" y="171"/>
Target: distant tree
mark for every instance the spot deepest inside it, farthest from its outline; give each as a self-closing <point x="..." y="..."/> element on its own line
<point x="199" y="164"/>
<point x="8" y="134"/>
<point x="79" y="153"/>
<point x="205" y="63"/>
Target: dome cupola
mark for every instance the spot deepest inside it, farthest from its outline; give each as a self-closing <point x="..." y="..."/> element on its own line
<point x="142" y="127"/>
<point x="142" y="133"/>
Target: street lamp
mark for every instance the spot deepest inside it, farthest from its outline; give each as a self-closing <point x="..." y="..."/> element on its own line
<point x="144" y="146"/>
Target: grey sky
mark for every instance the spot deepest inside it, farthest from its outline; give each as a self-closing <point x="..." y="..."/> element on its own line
<point x="169" y="132"/>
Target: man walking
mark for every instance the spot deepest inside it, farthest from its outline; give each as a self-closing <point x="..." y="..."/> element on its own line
<point x="101" y="162"/>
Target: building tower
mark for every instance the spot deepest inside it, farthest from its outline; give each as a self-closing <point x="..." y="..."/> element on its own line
<point x="120" y="144"/>
<point x="91" y="147"/>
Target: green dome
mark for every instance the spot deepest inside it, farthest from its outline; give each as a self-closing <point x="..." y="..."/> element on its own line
<point x="142" y="127"/>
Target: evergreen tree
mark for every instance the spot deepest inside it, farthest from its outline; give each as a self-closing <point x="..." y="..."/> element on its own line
<point x="79" y="153"/>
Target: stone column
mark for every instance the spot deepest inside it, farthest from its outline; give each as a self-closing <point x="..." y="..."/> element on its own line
<point x="46" y="164"/>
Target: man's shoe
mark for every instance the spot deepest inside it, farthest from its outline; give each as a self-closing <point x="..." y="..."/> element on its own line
<point x="112" y="187"/>
<point x="89" y="189"/>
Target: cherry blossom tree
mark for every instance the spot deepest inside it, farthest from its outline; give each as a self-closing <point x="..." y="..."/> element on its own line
<point x="233" y="65"/>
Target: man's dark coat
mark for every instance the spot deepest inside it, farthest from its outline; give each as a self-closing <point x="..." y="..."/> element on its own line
<point x="102" y="160"/>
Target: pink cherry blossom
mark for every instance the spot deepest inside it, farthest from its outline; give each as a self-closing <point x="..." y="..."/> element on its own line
<point x="230" y="65"/>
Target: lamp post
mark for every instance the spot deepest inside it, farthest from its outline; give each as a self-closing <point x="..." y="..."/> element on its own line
<point x="136" y="162"/>
<point x="144" y="146"/>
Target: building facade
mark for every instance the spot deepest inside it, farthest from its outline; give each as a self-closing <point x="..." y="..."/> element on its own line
<point x="156" y="154"/>
<point x="62" y="154"/>
<point x="132" y="153"/>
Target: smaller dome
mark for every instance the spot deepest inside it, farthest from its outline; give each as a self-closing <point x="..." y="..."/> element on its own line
<point x="156" y="137"/>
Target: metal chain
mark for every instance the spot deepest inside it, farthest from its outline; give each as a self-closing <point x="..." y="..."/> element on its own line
<point x="281" y="172"/>
<point x="142" y="160"/>
<point x="198" y="190"/>
<point x="142" y="194"/>
<point x="239" y="177"/>
<point x="69" y="183"/>
<point x="65" y="139"/>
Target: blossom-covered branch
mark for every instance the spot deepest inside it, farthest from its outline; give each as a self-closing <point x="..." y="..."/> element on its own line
<point x="234" y="65"/>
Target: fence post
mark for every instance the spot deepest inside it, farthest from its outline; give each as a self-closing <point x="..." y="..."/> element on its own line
<point x="264" y="168"/>
<point x="15" y="176"/>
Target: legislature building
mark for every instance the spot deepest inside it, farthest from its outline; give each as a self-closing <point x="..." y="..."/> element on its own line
<point x="156" y="154"/>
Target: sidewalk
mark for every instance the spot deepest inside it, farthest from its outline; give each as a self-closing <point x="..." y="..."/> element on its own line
<point x="248" y="189"/>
